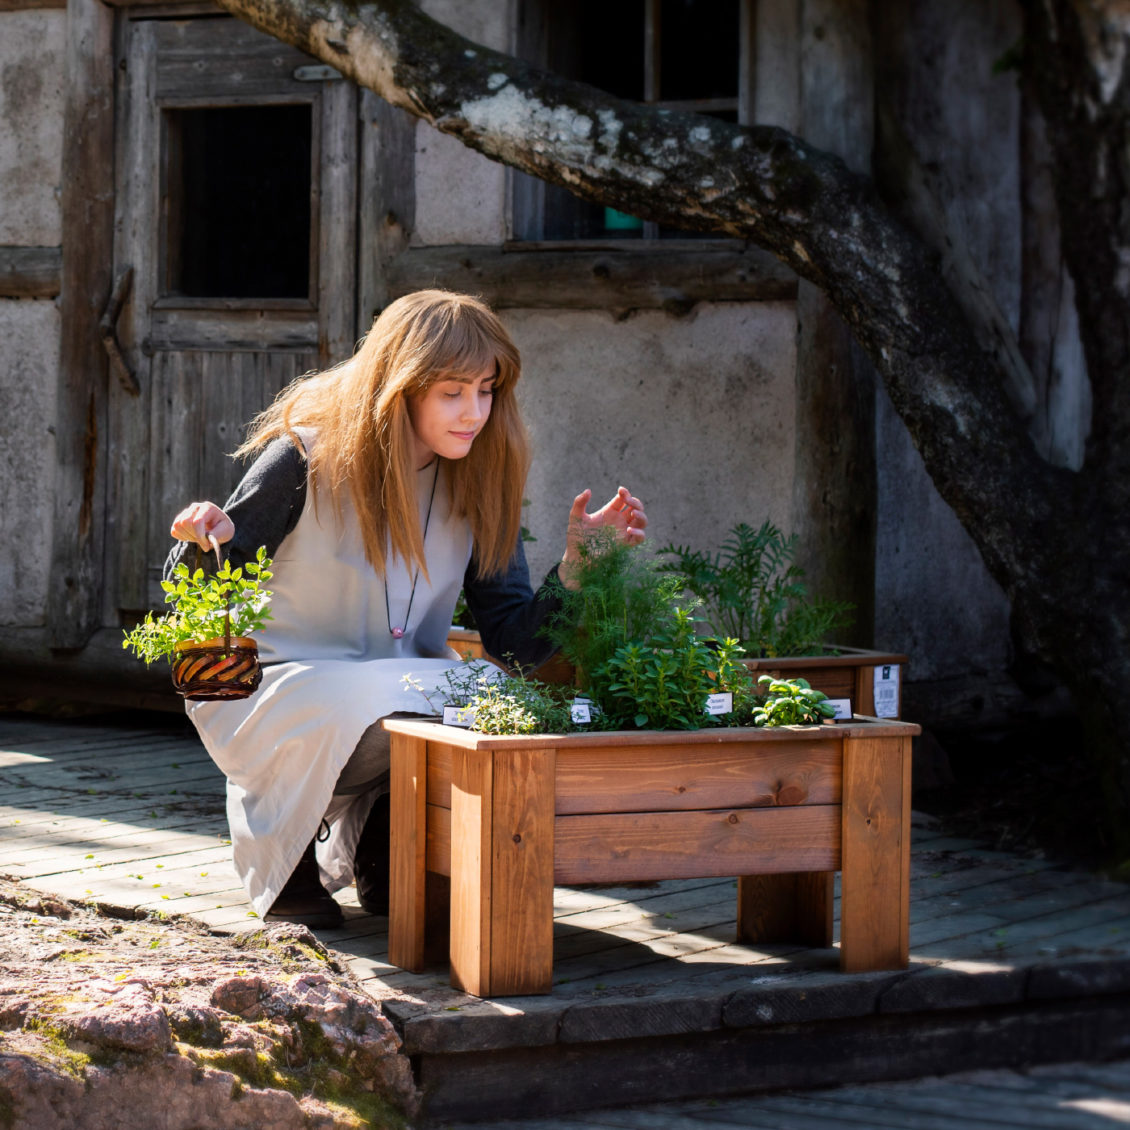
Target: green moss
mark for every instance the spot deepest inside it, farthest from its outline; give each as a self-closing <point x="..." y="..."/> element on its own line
<point x="57" y="1050"/>
<point x="369" y="1109"/>
<point x="322" y="1074"/>
<point x="285" y="954"/>
<point x="252" y="1069"/>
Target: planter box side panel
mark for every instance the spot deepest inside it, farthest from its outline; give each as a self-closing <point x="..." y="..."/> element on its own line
<point x="683" y="777"/>
<point x="618" y="847"/>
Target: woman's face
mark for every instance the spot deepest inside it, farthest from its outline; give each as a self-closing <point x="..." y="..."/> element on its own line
<point x="447" y="417"/>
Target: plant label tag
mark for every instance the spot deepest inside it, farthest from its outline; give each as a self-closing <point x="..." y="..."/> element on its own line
<point x="580" y="713"/>
<point x="842" y="707"/>
<point x="887" y="691"/>
<point x="721" y="703"/>
<point x="463" y="716"/>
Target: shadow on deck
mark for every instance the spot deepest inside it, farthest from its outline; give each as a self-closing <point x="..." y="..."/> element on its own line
<point x="1014" y="961"/>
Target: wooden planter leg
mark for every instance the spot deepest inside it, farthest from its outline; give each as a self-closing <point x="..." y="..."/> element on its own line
<point x="408" y="831"/>
<point x="794" y="907"/>
<point x="502" y="812"/>
<point x="875" y="880"/>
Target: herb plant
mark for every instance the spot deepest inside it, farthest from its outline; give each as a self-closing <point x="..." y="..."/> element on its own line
<point x="663" y="683"/>
<point x="791" y="702"/>
<point x="633" y="636"/>
<point x="518" y="704"/>
<point x="754" y="592"/>
<point x="199" y="601"/>
<point x="623" y="598"/>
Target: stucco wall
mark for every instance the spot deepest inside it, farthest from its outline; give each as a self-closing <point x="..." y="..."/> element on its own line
<point x="694" y="414"/>
<point x="29" y="331"/>
<point x="32" y="46"/>
<point x="460" y="195"/>
<point x="31" y="126"/>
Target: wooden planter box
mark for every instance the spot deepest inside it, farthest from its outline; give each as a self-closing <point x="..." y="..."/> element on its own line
<point x="850" y="673"/>
<point x="484" y="827"/>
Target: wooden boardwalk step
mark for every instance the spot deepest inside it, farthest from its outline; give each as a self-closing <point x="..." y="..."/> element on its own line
<point x="1011" y="957"/>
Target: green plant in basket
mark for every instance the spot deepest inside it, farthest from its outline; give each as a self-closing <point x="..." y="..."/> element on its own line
<point x="202" y="604"/>
<point x="754" y="592"/>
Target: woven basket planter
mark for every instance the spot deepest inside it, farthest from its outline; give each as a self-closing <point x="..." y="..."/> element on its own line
<point x="216" y="669"/>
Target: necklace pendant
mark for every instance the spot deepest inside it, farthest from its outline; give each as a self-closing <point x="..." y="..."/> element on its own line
<point x="398" y="633"/>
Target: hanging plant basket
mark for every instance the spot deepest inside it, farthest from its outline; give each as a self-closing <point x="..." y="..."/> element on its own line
<point x="216" y="669"/>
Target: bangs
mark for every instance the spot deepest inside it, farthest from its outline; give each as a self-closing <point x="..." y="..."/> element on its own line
<point x="460" y="342"/>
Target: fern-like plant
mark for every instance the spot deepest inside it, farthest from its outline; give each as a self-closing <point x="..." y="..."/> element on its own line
<point x="754" y="592"/>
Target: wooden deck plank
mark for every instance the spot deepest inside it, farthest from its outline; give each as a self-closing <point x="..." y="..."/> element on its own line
<point x="947" y="1105"/>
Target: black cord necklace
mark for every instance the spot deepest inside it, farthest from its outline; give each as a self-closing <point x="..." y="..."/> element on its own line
<point x="398" y="633"/>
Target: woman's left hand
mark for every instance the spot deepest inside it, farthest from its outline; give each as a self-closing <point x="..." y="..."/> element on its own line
<point x="623" y="512"/>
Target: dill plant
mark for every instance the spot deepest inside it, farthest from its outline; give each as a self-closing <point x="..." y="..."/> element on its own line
<point x="623" y="598"/>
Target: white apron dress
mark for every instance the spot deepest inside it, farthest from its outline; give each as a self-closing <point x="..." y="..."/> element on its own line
<point x="331" y="667"/>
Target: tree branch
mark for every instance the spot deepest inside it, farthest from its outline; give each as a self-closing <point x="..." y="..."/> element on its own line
<point x="757" y="183"/>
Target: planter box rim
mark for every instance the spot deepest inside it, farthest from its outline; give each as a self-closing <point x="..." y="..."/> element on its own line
<point x="844" y="657"/>
<point x="860" y="726"/>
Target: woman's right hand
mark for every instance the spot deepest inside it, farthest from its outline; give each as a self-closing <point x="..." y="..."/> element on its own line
<point x="200" y="520"/>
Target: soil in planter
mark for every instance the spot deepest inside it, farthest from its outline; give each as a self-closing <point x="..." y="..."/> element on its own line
<point x="1025" y="790"/>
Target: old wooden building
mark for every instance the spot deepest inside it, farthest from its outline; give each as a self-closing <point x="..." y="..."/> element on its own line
<point x="192" y="215"/>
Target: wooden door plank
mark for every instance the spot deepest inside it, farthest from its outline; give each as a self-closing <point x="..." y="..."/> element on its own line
<point x="521" y="955"/>
<point x="388" y="198"/>
<point x="74" y="603"/>
<point x="336" y="221"/>
<point x="875" y="883"/>
<point x="408" y="831"/>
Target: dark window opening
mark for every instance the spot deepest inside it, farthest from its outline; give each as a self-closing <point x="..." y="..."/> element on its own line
<point x="238" y="192"/>
<point x="681" y="53"/>
<point x="699" y="49"/>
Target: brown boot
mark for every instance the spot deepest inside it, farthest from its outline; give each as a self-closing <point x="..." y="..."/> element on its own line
<point x="371" y="863"/>
<point x="304" y="900"/>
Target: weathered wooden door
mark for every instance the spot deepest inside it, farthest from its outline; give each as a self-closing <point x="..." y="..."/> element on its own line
<point x="234" y="264"/>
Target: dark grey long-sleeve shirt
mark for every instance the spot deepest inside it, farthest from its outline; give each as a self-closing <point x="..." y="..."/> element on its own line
<point x="268" y="502"/>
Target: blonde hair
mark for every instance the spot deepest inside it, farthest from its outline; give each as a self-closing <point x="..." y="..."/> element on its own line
<point x="365" y="439"/>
